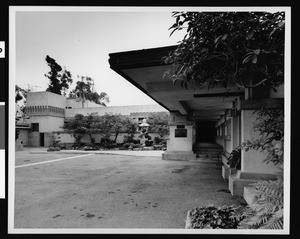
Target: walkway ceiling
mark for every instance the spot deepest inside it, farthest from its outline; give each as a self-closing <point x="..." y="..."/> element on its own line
<point x="145" y="70"/>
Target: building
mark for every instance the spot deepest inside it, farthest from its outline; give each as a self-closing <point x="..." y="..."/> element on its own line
<point x="46" y="113"/>
<point x="214" y="117"/>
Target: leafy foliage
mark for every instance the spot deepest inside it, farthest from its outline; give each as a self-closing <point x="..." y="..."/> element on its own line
<point x="20" y="93"/>
<point x="270" y="125"/>
<point x="223" y="48"/>
<point x="116" y="124"/>
<point x="55" y="137"/>
<point x="211" y="217"/>
<point x="267" y="210"/>
<point x="77" y="142"/>
<point x="159" y="123"/>
<point x="85" y="90"/>
<point x="60" y="78"/>
<point x="234" y="159"/>
<point x="105" y="125"/>
<point x="81" y="124"/>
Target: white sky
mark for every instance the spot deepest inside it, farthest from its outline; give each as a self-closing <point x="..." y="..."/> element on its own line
<point x="81" y="41"/>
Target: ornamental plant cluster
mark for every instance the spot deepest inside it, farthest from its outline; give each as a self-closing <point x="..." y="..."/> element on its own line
<point x="234" y="159"/>
<point x="211" y="217"/>
<point x="267" y="210"/>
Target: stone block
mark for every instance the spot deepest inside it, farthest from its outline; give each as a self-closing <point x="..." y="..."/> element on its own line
<point x="250" y="194"/>
<point x="240" y="180"/>
<point x="236" y="185"/>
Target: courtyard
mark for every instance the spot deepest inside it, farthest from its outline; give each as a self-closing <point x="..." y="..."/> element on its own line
<point x="66" y="190"/>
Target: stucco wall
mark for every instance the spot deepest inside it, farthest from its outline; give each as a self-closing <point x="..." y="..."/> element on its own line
<point x="34" y="139"/>
<point x="178" y="143"/>
<point x="252" y="159"/>
<point x="220" y="141"/>
<point x="23" y="136"/>
<point x="48" y="123"/>
<point x="46" y="98"/>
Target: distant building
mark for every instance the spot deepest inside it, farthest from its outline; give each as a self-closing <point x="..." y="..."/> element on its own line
<point x="46" y="113"/>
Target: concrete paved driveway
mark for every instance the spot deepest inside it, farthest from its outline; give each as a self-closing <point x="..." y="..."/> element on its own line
<point x="112" y="191"/>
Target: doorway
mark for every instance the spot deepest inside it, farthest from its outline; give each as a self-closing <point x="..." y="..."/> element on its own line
<point x="42" y="139"/>
<point x="205" y="131"/>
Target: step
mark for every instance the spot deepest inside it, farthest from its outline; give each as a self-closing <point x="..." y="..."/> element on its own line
<point x="208" y="149"/>
<point x="208" y="156"/>
<point x="206" y="160"/>
<point x="208" y="153"/>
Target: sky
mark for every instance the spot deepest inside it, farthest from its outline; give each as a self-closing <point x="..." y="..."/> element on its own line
<point x="82" y="41"/>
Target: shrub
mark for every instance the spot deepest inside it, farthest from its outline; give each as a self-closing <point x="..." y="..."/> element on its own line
<point x="55" y="139"/>
<point x="77" y="142"/>
<point x="128" y="139"/>
<point x="148" y="143"/>
<point x="211" y="217"/>
<point x="157" y="140"/>
<point x="127" y="145"/>
<point x="93" y="140"/>
<point x="266" y="212"/>
<point x="234" y="159"/>
<point x="136" y="141"/>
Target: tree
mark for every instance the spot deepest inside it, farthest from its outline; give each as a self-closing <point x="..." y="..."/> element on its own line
<point x="115" y="124"/>
<point x="81" y="124"/>
<point x="158" y="122"/>
<point x="85" y="90"/>
<point x="222" y="48"/>
<point x="60" y="78"/>
<point x="105" y="125"/>
<point x="20" y="94"/>
<point x="20" y="99"/>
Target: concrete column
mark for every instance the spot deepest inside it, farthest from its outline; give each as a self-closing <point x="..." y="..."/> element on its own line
<point x="234" y="132"/>
<point x="252" y="166"/>
<point x="252" y="159"/>
<point x="180" y="143"/>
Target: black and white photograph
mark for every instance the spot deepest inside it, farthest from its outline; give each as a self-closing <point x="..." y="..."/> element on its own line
<point x="149" y="120"/>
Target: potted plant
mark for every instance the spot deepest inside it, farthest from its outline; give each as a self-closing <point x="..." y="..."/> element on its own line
<point x="234" y="160"/>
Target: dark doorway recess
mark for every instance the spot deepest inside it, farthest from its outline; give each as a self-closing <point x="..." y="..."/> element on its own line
<point x="42" y="139"/>
<point x="205" y="131"/>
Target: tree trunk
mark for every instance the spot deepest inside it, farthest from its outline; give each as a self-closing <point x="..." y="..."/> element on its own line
<point x="91" y="138"/>
<point x="115" y="140"/>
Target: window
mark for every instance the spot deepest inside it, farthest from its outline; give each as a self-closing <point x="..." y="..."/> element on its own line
<point x="35" y="127"/>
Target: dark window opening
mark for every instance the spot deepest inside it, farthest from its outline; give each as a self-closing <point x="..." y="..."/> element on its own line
<point x="35" y="127"/>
